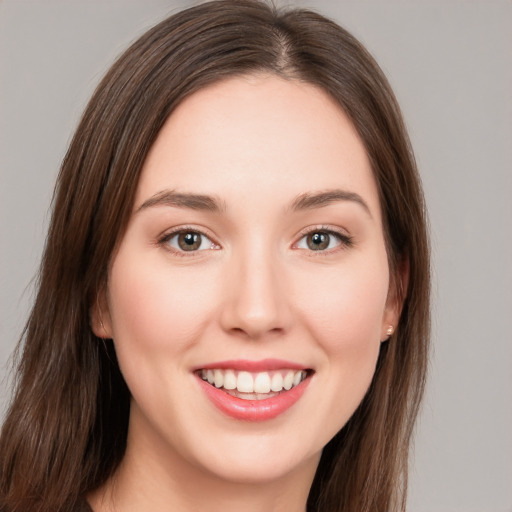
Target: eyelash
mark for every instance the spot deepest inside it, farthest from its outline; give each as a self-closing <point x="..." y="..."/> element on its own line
<point x="344" y="241"/>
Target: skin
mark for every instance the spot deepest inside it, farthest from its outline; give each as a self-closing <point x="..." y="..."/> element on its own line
<point x="254" y="290"/>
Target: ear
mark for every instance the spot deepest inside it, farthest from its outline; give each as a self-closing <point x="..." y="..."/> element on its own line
<point x="99" y="315"/>
<point x="398" y="285"/>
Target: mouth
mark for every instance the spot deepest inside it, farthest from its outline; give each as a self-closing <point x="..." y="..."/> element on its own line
<point x="253" y="390"/>
<point x="253" y="385"/>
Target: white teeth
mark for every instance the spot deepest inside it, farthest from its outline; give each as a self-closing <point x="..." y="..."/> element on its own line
<point x="218" y="378"/>
<point x="288" y="381"/>
<point x="262" y="383"/>
<point x="277" y="382"/>
<point x="259" y="383"/>
<point x="245" y="383"/>
<point x="229" y="380"/>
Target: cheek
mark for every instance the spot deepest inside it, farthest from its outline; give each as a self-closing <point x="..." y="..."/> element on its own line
<point x="345" y="318"/>
<point x="345" y="309"/>
<point x="156" y="307"/>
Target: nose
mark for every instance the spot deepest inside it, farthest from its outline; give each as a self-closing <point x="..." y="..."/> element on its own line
<point x="257" y="302"/>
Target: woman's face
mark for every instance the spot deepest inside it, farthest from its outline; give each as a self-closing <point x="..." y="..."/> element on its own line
<point x="255" y="259"/>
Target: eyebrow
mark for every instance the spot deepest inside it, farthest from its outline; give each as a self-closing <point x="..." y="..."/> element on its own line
<point x="184" y="200"/>
<point x="202" y="202"/>
<point x="310" y="200"/>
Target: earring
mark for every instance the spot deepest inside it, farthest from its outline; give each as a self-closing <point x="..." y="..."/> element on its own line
<point x="390" y="330"/>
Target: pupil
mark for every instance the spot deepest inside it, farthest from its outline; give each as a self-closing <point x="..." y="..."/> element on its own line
<point x="190" y="238"/>
<point x="319" y="241"/>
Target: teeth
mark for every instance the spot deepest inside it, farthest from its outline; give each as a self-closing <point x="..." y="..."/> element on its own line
<point x="258" y="383"/>
<point x="245" y="383"/>
<point x="218" y="378"/>
<point x="262" y="383"/>
<point x="229" y="380"/>
<point x="287" y="382"/>
<point x="277" y="382"/>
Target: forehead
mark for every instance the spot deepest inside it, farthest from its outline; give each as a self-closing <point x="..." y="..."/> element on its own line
<point x="258" y="135"/>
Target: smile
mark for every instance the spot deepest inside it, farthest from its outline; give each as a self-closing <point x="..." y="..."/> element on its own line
<point x="253" y="385"/>
<point x="253" y="390"/>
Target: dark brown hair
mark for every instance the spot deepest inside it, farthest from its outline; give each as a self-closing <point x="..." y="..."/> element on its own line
<point x="65" y="431"/>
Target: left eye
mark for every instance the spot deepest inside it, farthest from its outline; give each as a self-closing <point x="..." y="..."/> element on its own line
<point x="320" y="241"/>
<point x="189" y="241"/>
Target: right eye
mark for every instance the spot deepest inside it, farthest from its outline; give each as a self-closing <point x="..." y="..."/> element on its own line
<point x="188" y="241"/>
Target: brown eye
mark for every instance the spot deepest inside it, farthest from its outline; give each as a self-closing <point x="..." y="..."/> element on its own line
<point x="323" y="240"/>
<point x="188" y="241"/>
<point x="318" y="241"/>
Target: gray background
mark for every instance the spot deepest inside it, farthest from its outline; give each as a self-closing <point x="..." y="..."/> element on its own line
<point x="450" y="64"/>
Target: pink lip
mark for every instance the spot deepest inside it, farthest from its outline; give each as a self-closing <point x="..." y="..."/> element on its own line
<point x="253" y="410"/>
<point x="253" y="366"/>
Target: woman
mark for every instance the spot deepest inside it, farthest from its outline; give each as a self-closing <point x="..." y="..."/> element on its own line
<point x="233" y="300"/>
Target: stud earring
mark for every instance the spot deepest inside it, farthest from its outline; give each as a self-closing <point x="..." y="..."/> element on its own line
<point x="390" y="330"/>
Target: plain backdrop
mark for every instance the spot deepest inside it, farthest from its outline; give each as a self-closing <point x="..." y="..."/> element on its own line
<point x="450" y="63"/>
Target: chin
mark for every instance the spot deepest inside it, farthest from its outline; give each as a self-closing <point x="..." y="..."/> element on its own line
<point x="257" y="470"/>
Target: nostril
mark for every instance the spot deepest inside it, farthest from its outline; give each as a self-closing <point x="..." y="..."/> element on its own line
<point x="251" y="332"/>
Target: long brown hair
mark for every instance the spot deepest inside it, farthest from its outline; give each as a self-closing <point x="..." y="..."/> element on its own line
<point x="65" y="431"/>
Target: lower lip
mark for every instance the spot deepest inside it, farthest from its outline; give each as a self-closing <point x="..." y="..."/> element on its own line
<point x="253" y="410"/>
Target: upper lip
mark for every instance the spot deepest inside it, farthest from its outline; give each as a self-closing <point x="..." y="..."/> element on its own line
<point x="253" y="366"/>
